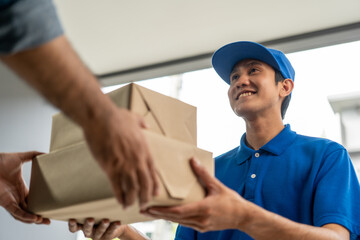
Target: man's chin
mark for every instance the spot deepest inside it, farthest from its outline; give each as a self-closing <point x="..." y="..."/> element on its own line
<point x="243" y="112"/>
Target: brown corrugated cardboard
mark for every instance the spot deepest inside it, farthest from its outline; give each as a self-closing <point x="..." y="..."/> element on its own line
<point x="68" y="183"/>
<point x="163" y="114"/>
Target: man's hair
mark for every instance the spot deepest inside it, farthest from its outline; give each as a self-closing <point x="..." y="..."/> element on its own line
<point x="279" y="78"/>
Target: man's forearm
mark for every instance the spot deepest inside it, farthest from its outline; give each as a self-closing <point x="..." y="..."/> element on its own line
<point x="113" y="135"/>
<point x="262" y="224"/>
<point x="57" y="72"/>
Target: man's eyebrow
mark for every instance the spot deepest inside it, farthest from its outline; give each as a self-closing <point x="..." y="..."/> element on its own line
<point x="252" y="63"/>
<point x="249" y="64"/>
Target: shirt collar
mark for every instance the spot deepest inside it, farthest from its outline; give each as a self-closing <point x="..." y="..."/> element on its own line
<point x="276" y="146"/>
<point x="244" y="152"/>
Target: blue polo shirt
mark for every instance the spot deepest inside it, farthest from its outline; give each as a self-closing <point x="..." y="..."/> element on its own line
<point x="305" y="179"/>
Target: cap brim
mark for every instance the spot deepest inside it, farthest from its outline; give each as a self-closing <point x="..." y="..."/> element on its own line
<point x="224" y="59"/>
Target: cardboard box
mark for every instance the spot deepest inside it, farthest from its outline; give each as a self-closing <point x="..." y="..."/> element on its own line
<point x="68" y="183"/>
<point x="164" y="115"/>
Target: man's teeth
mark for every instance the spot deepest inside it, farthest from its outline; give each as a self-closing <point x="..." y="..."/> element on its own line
<point x="246" y="94"/>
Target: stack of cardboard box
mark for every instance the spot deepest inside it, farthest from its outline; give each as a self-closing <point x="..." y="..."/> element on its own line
<point x="68" y="182"/>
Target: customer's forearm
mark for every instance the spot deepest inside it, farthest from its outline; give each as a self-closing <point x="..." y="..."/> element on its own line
<point x="265" y="225"/>
<point x="56" y="71"/>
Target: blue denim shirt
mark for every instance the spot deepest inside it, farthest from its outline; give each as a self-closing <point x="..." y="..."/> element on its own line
<point x="25" y="24"/>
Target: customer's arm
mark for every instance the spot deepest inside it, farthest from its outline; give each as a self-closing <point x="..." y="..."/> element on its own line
<point x="223" y="208"/>
<point x="113" y="134"/>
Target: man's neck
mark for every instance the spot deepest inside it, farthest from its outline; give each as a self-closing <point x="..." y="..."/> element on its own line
<point x="261" y="130"/>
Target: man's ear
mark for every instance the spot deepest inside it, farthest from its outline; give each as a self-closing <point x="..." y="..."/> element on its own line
<point x="286" y="87"/>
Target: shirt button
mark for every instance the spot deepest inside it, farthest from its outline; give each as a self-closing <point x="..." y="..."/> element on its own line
<point x="253" y="175"/>
<point x="257" y="154"/>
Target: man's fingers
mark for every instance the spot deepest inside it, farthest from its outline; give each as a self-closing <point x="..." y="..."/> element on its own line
<point x="152" y="171"/>
<point x="200" y="171"/>
<point x="125" y="186"/>
<point x="130" y="187"/>
<point x="146" y="186"/>
<point x="184" y="211"/>
<point x="88" y="227"/>
<point x="193" y="222"/>
<point x="28" y="156"/>
<point x="117" y="189"/>
<point x="198" y="223"/>
<point x="101" y="229"/>
<point x="111" y="231"/>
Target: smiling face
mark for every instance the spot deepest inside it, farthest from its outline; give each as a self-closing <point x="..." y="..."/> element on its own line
<point x="253" y="91"/>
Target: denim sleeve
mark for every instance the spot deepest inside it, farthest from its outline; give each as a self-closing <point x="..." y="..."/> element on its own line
<point x="6" y="3"/>
<point x="25" y="24"/>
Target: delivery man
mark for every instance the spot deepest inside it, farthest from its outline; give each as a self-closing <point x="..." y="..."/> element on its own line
<point x="33" y="45"/>
<point x="277" y="184"/>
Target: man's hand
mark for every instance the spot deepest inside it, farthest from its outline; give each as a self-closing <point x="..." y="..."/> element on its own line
<point x="113" y="135"/>
<point x="215" y="212"/>
<point x="13" y="191"/>
<point x="121" y="150"/>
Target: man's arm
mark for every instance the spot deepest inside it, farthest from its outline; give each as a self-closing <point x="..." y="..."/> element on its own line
<point x="113" y="134"/>
<point x="223" y="208"/>
<point x="262" y="224"/>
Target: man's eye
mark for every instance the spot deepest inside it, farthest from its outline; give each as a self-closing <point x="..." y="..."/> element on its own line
<point x="234" y="77"/>
<point x="253" y="70"/>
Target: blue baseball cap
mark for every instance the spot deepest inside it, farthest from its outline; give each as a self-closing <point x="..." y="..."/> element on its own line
<point x="225" y="58"/>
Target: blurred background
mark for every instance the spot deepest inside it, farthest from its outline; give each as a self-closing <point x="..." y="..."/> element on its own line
<point x="167" y="46"/>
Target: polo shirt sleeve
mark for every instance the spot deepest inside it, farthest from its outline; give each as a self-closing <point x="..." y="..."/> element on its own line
<point x="185" y="233"/>
<point x="337" y="193"/>
<point x="25" y="24"/>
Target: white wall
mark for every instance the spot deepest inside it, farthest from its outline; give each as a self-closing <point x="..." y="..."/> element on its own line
<point x="25" y="124"/>
<point x="350" y="119"/>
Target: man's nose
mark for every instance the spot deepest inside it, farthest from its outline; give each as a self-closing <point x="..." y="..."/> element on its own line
<point x="242" y="81"/>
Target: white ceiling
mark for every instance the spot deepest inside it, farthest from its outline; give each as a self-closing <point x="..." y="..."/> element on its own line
<point x="117" y="35"/>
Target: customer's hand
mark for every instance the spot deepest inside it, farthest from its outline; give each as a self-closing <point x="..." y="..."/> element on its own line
<point x="106" y="230"/>
<point x="118" y="144"/>
<point x="13" y="191"/>
<point x="102" y="231"/>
